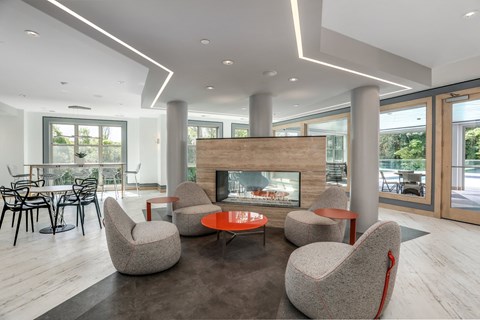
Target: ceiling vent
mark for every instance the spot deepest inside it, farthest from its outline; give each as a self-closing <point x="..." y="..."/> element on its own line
<point x="79" y="108"/>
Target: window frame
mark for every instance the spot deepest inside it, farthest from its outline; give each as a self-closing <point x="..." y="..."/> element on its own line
<point x="428" y="152"/>
<point x="76" y="122"/>
<point x="240" y="126"/>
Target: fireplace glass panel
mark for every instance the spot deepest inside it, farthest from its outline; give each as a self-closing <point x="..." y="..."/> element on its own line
<point x="259" y="188"/>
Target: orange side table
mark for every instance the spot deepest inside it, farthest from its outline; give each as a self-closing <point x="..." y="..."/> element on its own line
<point x="341" y="214"/>
<point x="156" y="201"/>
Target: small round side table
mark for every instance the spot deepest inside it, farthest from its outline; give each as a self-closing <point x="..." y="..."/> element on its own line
<point x="156" y="201"/>
<point x="341" y="214"/>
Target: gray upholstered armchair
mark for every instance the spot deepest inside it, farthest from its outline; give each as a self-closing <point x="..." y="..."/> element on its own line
<point x="139" y="248"/>
<point x="304" y="226"/>
<point x="193" y="205"/>
<point x="339" y="281"/>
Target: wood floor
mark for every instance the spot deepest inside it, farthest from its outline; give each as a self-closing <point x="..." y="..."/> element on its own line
<point x="438" y="276"/>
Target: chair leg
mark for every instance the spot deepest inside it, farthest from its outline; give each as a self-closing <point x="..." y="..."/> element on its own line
<point x="82" y="217"/>
<point x="13" y="218"/>
<point x="37" y="213"/>
<point x="31" y="218"/>
<point x="136" y="184"/>
<point x="115" y="186"/>
<point x="51" y="218"/>
<point x="77" y="216"/>
<point x="99" y="214"/>
<point x="3" y="216"/>
<point x="18" y="227"/>
<point x="56" y="219"/>
<point x="26" y="220"/>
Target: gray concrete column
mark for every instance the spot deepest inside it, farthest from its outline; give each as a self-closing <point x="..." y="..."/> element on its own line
<point x="261" y="115"/>
<point x="365" y="115"/>
<point x="177" y="122"/>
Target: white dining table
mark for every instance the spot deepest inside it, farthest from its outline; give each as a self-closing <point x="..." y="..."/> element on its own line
<point x="62" y="226"/>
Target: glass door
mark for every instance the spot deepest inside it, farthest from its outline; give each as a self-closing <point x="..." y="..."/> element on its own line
<point x="461" y="154"/>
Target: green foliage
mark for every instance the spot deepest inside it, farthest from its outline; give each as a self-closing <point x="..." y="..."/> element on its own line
<point x="409" y="145"/>
<point x="241" y="133"/>
<point x="192" y="174"/>
<point x="472" y="143"/>
<point x="57" y="136"/>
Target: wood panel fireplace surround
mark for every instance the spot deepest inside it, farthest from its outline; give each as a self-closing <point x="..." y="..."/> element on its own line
<point x="268" y="157"/>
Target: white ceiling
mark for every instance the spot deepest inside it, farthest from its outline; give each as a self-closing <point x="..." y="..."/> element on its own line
<point x="257" y="35"/>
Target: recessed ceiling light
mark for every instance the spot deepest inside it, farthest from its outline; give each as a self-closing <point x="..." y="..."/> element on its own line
<point x="296" y="105"/>
<point x="98" y="96"/>
<point x="32" y="33"/>
<point x="119" y="115"/>
<point x="244" y="108"/>
<point x="209" y="87"/>
<point x="120" y="82"/>
<point x="23" y="95"/>
<point x="63" y="83"/>
<point x="270" y="73"/>
<point x="243" y="119"/>
<point x="203" y="116"/>
<point x="52" y="111"/>
<point x="293" y="79"/>
<point x="79" y="108"/>
<point x="227" y="62"/>
<point x="205" y="41"/>
<point x="470" y="14"/>
<point x="419" y="118"/>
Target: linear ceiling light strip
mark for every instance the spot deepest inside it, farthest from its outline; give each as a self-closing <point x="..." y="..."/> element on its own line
<point x="298" y="36"/>
<point x="126" y="45"/>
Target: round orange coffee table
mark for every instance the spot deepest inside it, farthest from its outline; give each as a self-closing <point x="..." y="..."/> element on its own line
<point x="158" y="200"/>
<point x="341" y="214"/>
<point x="233" y="221"/>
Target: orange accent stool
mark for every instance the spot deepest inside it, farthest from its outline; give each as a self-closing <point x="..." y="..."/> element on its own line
<point x="341" y="214"/>
<point x="156" y="201"/>
<point x="231" y="221"/>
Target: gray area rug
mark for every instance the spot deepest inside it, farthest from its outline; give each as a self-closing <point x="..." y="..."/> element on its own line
<point x="248" y="283"/>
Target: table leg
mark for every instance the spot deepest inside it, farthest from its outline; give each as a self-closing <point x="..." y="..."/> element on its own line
<point x="149" y="211"/>
<point x="353" y="231"/>
<point x="31" y="169"/>
<point x="224" y="242"/>
<point x="264" y="234"/>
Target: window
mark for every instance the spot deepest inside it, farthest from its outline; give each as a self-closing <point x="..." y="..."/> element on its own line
<point x="199" y="129"/>
<point x="288" y="132"/>
<point x="240" y="130"/>
<point x="336" y="131"/>
<point x="404" y="150"/>
<point x="102" y="141"/>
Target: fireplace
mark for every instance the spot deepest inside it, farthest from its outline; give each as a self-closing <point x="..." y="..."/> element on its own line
<point x="259" y="188"/>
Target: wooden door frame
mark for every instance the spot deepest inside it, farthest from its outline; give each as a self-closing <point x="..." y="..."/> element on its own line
<point x="444" y="118"/>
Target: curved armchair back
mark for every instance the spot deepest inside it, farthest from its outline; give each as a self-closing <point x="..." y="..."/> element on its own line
<point x="190" y="194"/>
<point x="363" y="271"/>
<point x="118" y="228"/>
<point x="333" y="197"/>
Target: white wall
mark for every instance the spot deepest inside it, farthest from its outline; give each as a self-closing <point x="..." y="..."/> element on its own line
<point x="148" y="150"/>
<point x="11" y="144"/>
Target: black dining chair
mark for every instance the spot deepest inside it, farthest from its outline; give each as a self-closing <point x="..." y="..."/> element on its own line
<point x="82" y="194"/>
<point x="30" y="183"/>
<point x="18" y="200"/>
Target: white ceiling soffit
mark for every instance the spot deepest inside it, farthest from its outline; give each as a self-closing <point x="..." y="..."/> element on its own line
<point x="158" y="75"/>
<point x="323" y="46"/>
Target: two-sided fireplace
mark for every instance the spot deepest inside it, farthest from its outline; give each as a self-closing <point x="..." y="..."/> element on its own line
<point x="259" y="188"/>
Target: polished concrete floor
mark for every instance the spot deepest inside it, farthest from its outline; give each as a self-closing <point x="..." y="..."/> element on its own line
<point x="438" y="275"/>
